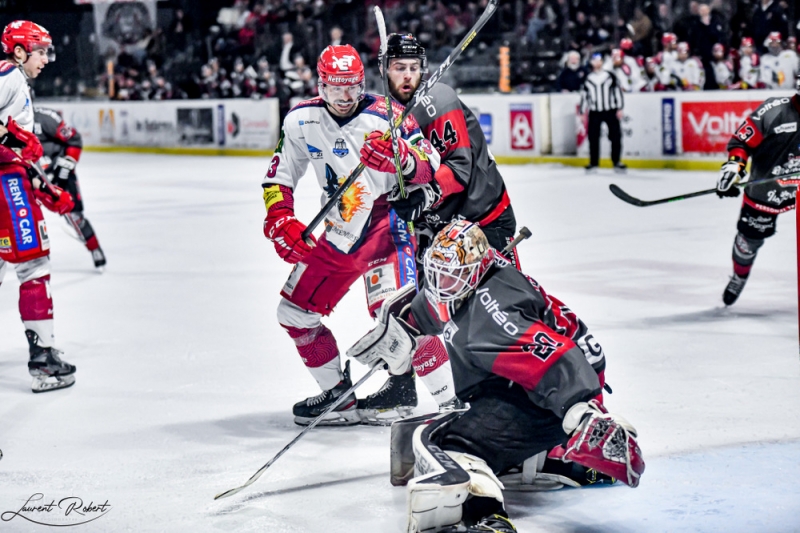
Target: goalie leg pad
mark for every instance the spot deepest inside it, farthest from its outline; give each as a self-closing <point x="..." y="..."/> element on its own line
<point x="604" y="442"/>
<point x="440" y="486"/>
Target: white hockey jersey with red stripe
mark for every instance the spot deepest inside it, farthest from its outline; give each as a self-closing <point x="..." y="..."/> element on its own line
<point x="15" y="96"/>
<point x="311" y="135"/>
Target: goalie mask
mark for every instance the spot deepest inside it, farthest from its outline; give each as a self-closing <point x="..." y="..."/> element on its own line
<point x="454" y="265"/>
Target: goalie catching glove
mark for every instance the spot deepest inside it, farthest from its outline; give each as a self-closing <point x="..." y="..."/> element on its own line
<point x="603" y="441"/>
<point x="731" y="174"/>
<point x="393" y="340"/>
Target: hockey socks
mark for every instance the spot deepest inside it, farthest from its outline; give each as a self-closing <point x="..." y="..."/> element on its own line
<point x="432" y="364"/>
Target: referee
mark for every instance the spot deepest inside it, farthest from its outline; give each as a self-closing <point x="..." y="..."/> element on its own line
<point x="602" y="96"/>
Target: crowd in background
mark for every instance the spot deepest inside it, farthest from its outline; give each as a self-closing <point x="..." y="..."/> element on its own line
<point x="268" y="48"/>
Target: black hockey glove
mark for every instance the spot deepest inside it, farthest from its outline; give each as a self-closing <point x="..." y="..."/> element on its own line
<point x="731" y="174"/>
<point x="63" y="168"/>
<point x="420" y="198"/>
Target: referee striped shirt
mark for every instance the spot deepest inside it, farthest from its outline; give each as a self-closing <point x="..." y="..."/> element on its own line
<point x="601" y="92"/>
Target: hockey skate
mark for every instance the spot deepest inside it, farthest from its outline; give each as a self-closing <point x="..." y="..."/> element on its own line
<point x="491" y="524"/>
<point x="396" y="399"/>
<point x="345" y="413"/>
<point x="99" y="259"/>
<point x="453" y="404"/>
<point x="734" y="289"/>
<point x="48" y="370"/>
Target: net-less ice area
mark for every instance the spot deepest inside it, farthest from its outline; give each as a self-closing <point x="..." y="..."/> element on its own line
<point x="185" y="381"/>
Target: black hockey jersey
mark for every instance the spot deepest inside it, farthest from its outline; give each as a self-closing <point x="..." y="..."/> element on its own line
<point x="469" y="177"/>
<point x="58" y="139"/>
<point x="770" y="136"/>
<point x="511" y="328"/>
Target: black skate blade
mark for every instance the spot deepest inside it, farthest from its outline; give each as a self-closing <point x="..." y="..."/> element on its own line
<point x="384" y="417"/>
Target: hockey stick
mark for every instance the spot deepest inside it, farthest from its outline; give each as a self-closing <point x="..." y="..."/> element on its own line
<point x="388" y="97"/>
<point x="308" y="428"/>
<point x="625" y="197"/>
<point x="422" y="92"/>
<point x="524" y="233"/>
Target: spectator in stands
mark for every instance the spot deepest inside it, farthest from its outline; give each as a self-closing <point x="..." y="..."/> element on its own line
<point x="336" y="34"/>
<point x="707" y="31"/>
<point x="288" y="52"/>
<point x="178" y="32"/>
<point x="642" y="28"/>
<point x="768" y="16"/>
<point x="572" y="75"/>
<point x="300" y="79"/>
<point x="722" y="67"/>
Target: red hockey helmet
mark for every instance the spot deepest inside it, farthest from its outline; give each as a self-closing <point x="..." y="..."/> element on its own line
<point x="668" y="39"/>
<point x="340" y="65"/>
<point x="29" y="36"/>
<point x="774" y="37"/>
<point x="747" y="42"/>
<point x="626" y="44"/>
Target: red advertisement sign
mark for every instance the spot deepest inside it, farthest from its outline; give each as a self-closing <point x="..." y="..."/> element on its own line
<point x="521" y="121"/>
<point x="708" y="126"/>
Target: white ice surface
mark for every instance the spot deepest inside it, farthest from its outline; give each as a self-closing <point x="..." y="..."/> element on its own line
<point x="185" y="381"/>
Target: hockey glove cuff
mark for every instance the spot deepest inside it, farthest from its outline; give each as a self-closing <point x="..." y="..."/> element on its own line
<point x="281" y="226"/>
<point x="731" y="174"/>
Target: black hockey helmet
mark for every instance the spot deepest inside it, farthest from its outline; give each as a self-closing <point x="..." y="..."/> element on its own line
<point x="405" y="46"/>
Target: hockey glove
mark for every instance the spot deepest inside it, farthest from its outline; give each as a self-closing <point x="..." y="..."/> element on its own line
<point x="602" y="441"/>
<point x="377" y="154"/>
<point x="393" y="340"/>
<point x="731" y="174"/>
<point x="63" y="168"/>
<point x="54" y="198"/>
<point x="28" y="144"/>
<point x="420" y="198"/>
<point x="281" y="226"/>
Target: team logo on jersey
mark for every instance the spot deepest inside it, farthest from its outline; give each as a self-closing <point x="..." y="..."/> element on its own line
<point x="543" y="346"/>
<point x="789" y="127"/>
<point x="314" y="152"/>
<point x="352" y="201"/>
<point x="340" y="148"/>
<point x="450" y="330"/>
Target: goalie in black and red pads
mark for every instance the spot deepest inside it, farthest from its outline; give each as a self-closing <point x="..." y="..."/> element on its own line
<point x="531" y="372"/>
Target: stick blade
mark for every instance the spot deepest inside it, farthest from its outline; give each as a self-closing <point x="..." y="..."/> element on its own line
<point x="625" y="197"/>
<point x="227" y="493"/>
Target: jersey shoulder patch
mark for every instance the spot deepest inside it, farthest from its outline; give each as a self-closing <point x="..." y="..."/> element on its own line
<point x="6" y="68"/>
<point x="314" y="102"/>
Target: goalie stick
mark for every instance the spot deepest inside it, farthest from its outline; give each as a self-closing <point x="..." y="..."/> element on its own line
<point x="422" y="93"/>
<point x="308" y="428"/>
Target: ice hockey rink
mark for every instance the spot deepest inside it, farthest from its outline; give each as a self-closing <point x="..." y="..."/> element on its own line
<point x="185" y="381"/>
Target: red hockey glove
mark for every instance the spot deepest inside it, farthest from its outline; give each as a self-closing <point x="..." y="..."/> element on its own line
<point x="281" y="226"/>
<point x="27" y="142"/>
<point x="55" y="199"/>
<point x="603" y="441"/>
<point x="377" y="154"/>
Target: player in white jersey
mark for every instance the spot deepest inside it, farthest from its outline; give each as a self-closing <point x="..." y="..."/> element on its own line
<point x="748" y="68"/>
<point x="722" y="66"/>
<point x="627" y="70"/>
<point x="665" y="58"/>
<point x="364" y="237"/>
<point x="687" y="72"/>
<point x="778" y="67"/>
<point x="23" y="233"/>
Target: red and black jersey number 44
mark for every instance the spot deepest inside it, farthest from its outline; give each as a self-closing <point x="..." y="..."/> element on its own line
<point x="446" y="139"/>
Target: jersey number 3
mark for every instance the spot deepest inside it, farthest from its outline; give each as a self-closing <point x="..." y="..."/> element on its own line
<point x="447" y="140"/>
